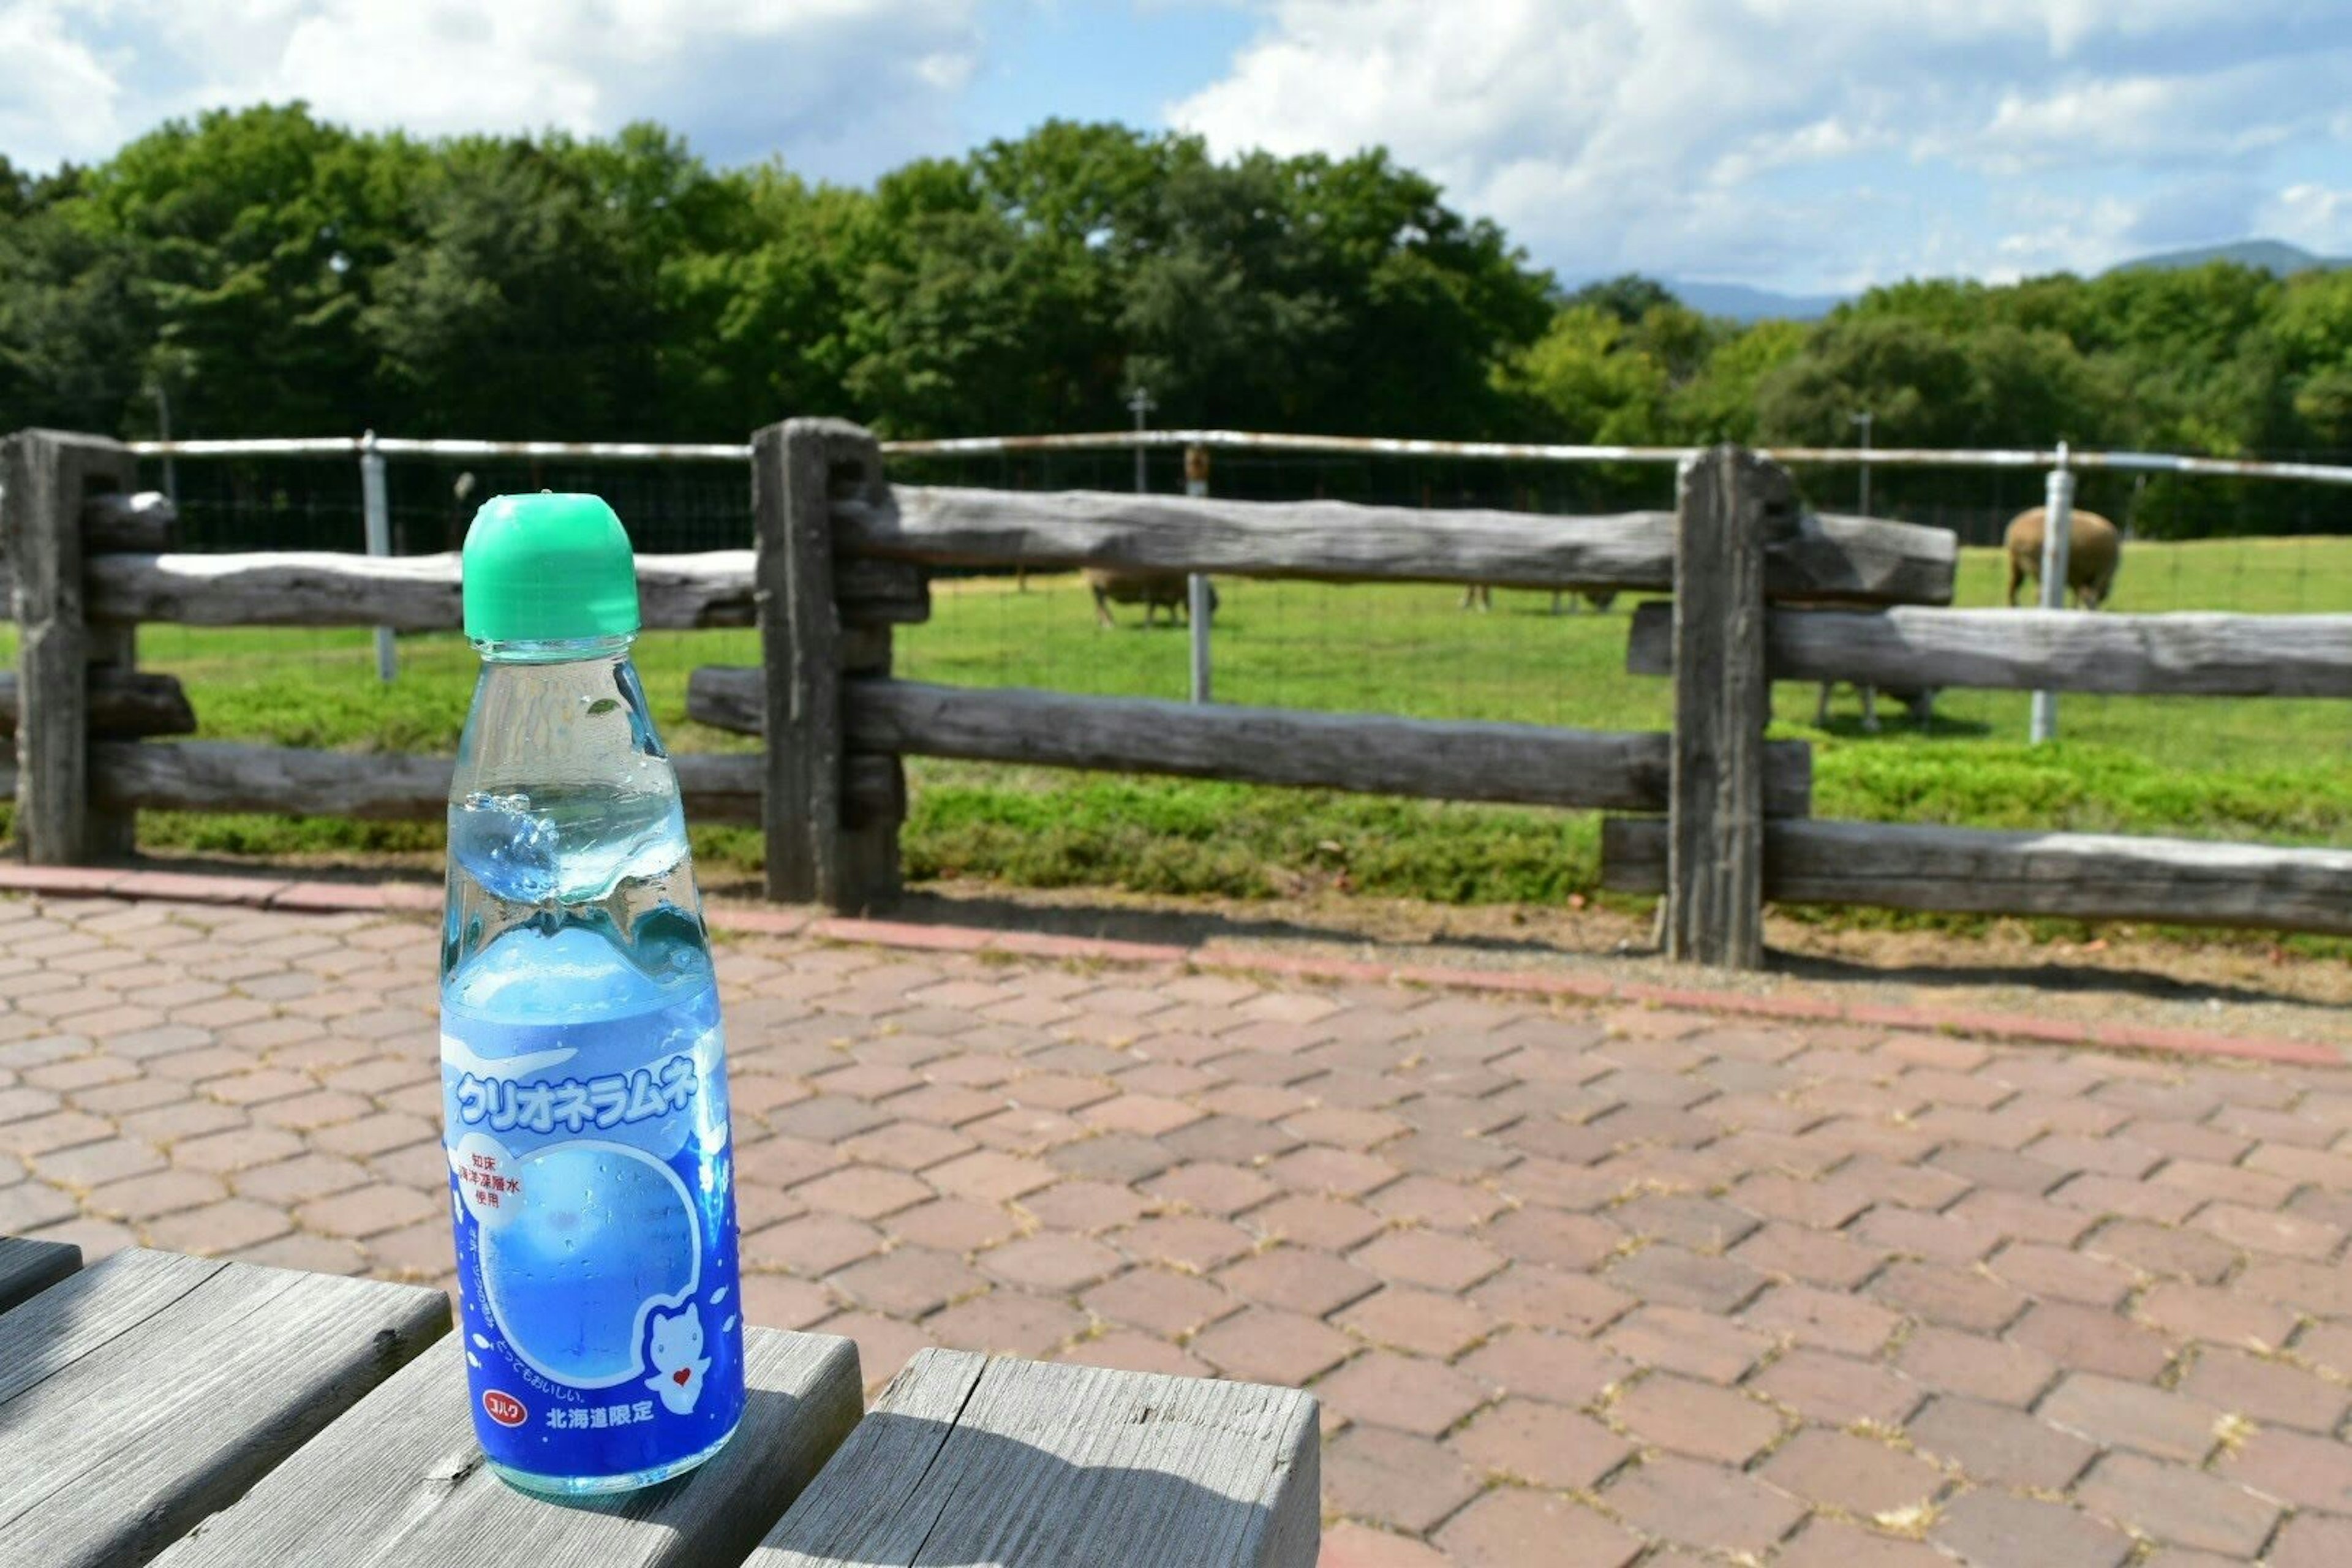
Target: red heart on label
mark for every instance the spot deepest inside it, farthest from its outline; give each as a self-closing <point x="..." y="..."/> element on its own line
<point x="680" y="1376"/>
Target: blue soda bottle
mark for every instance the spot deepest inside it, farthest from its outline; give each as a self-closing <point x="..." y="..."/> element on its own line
<point x="583" y="1079"/>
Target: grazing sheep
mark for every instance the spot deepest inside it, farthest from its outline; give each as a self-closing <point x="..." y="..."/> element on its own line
<point x="1152" y="590"/>
<point x="2095" y="550"/>
<point x="1481" y="595"/>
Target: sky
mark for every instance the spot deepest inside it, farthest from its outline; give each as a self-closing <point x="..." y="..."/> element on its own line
<point x="1802" y="145"/>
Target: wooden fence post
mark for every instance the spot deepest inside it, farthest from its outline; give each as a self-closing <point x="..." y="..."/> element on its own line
<point x="45" y="477"/>
<point x="812" y="634"/>
<point x="1729" y="503"/>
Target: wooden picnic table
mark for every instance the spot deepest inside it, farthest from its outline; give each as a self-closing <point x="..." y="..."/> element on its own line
<point x="195" y="1413"/>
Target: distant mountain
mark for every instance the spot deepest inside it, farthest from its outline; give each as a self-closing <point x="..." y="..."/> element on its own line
<point x="2275" y="256"/>
<point x="1741" y="303"/>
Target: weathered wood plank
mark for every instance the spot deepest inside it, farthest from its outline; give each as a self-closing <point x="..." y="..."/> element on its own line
<point x="1731" y="503"/>
<point x="227" y="776"/>
<point x="873" y="592"/>
<point x="869" y="596"/>
<point x="2053" y="650"/>
<point x="29" y="1268"/>
<point x="142" y="523"/>
<point x="800" y="631"/>
<point x="44" y="477"/>
<point x="2083" y="876"/>
<point x="147" y="1392"/>
<point x="1866" y="560"/>
<point x="969" y="1460"/>
<point x="399" y="1483"/>
<point x="122" y="703"/>
<point x="1370" y="753"/>
<point x="407" y="593"/>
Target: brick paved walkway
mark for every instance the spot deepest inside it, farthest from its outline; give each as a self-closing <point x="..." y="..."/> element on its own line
<point x="1578" y="1288"/>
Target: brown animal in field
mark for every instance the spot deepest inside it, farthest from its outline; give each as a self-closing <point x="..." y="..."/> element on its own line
<point x="1481" y="595"/>
<point x="2095" y="550"/>
<point x="1152" y="590"/>
<point x="1920" y="701"/>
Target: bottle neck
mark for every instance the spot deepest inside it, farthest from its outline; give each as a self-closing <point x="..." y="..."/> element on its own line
<point x="563" y="650"/>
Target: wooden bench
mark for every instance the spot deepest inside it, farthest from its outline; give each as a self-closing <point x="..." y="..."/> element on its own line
<point x="198" y="1414"/>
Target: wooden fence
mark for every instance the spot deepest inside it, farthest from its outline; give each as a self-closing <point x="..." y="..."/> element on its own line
<point x="841" y="557"/>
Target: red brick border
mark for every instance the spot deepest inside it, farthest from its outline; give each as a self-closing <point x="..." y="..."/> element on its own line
<point x="256" y="892"/>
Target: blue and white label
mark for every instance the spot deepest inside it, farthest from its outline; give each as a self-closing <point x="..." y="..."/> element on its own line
<point x="591" y="1183"/>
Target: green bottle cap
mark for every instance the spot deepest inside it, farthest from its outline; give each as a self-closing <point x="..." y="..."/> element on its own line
<point x="548" y="568"/>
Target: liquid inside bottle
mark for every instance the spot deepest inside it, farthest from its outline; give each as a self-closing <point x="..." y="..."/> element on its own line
<point x="584" y="1086"/>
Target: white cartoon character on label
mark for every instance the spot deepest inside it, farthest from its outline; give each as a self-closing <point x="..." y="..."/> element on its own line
<point x="678" y="1361"/>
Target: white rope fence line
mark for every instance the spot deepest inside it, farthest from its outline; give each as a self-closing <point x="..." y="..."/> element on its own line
<point x="1260" y="441"/>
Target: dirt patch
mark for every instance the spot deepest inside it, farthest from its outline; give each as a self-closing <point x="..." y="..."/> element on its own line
<point x="2233" y="985"/>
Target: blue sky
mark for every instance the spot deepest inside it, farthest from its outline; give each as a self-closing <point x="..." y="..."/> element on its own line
<point x="1797" y="144"/>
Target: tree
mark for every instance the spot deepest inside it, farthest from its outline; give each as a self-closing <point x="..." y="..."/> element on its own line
<point x="525" y="305"/>
<point x="1629" y="296"/>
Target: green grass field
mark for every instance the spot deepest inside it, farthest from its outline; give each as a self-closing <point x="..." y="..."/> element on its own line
<point x="2278" y="771"/>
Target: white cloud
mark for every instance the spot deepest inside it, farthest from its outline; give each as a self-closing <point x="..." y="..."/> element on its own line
<point x="1808" y="142"/>
<point x="49" y="80"/>
<point x="2317" y="217"/>
<point x="841" y="86"/>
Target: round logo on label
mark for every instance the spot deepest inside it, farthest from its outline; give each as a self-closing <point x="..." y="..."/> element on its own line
<point x="504" y="1408"/>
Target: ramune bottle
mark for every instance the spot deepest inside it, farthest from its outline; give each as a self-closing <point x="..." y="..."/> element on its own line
<point x="583" y="1079"/>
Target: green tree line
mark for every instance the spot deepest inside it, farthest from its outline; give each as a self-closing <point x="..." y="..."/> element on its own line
<point x="267" y="273"/>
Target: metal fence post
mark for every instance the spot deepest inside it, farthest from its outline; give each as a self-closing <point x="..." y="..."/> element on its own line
<point x="1202" y="597"/>
<point x="2057" y="539"/>
<point x="375" y="512"/>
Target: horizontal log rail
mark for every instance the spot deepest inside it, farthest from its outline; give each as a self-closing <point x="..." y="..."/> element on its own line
<point x="123" y="704"/>
<point x="1523" y="765"/>
<point x="1966" y="871"/>
<point x="2040" y="650"/>
<point x="407" y="593"/>
<point x="1859" y="560"/>
<point x="223" y="775"/>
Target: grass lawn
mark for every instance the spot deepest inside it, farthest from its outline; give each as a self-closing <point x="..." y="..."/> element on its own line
<point x="2278" y="771"/>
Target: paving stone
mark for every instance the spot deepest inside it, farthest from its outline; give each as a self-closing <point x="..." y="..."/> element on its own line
<point x="1693" y="1343"/>
<point x="1395" y="1479"/>
<point x="909" y="1281"/>
<point x="1676" y="1278"/>
<point x="2000" y="1446"/>
<point x="1702" y="1506"/>
<point x="2267" y="1391"/>
<point x="2085" y="1338"/>
<point x="1301" y="1280"/>
<point x="1516" y="1527"/>
<point x="1998" y="1530"/>
<point x="1436" y="1260"/>
<point x="1555" y="1367"/>
<point x="1825" y="1320"/>
<point x="1971" y="1364"/>
<point x="2176" y="1504"/>
<point x="1006" y="1322"/>
<point x="1408" y="1392"/>
<point x="1422" y="1321"/>
<point x="1262" y="1345"/>
<point x="1863" y="1477"/>
<point x="1700" y="1419"/>
<point x="1834" y="1544"/>
<point x="1167" y="1303"/>
<point x="2294" y="1467"/>
<point x="2133" y="1415"/>
<point x="2312" y="1541"/>
<point x="1838" y="1391"/>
